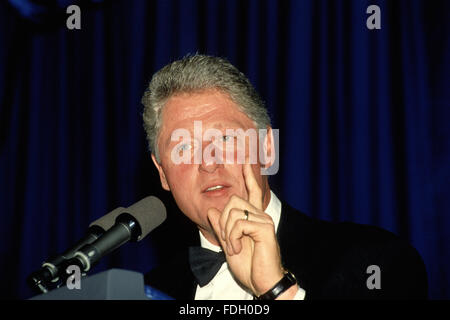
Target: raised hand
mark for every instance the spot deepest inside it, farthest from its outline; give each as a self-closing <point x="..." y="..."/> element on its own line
<point x="250" y="244"/>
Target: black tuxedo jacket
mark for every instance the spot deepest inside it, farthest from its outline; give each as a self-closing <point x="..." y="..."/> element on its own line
<point x="329" y="260"/>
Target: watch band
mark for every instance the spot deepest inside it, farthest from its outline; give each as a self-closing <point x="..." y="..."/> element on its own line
<point x="285" y="283"/>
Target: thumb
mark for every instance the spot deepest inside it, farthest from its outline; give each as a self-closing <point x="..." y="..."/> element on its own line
<point x="214" y="217"/>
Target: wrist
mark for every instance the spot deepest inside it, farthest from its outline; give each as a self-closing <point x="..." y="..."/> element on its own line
<point x="270" y="280"/>
<point x="289" y="294"/>
<point x="285" y="288"/>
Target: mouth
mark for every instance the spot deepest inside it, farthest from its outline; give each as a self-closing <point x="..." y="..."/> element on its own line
<point x="217" y="189"/>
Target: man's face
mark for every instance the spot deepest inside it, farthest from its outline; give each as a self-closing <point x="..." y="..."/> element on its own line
<point x="190" y="183"/>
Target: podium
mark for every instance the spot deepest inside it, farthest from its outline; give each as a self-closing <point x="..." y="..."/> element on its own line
<point x="112" y="284"/>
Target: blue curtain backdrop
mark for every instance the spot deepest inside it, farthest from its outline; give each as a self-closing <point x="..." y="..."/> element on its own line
<point x="363" y="116"/>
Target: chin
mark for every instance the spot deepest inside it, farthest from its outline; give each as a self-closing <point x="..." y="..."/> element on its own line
<point x="219" y="204"/>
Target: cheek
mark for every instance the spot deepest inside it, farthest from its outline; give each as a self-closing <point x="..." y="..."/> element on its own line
<point x="235" y="173"/>
<point x="229" y="154"/>
<point x="179" y="175"/>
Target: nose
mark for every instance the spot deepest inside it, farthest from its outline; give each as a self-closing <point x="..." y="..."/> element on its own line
<point x="209" y="168"/>
<point x="209" y="162"/>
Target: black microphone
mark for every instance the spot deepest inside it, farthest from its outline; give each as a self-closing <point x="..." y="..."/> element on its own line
<point x="41" y="279"/>
<point x="133" y="225"/>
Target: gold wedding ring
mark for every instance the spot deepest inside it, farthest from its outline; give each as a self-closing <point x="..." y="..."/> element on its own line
<point x="246" y="214"/>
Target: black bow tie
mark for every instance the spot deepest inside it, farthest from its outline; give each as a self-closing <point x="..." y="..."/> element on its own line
<point x="205" y="264"/>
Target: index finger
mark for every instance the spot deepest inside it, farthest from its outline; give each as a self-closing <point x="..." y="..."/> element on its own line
<point x="253" y="189"/>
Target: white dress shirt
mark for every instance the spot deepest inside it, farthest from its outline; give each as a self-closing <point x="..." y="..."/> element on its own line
<point x="224" y="286"/>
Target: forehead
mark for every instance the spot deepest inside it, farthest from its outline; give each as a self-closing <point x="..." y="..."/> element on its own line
<point x="212" y="107"/>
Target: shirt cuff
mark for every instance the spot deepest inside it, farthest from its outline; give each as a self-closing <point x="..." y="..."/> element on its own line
<point x="300" y="295"/>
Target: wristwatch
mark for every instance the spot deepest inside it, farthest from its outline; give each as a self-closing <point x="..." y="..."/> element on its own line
<point x="285" y="283"/>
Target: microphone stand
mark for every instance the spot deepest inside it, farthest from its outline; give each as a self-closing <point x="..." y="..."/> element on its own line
<point x="126" y="228"/>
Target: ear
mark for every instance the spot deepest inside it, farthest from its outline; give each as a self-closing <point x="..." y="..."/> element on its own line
<point x="162" y="175"/>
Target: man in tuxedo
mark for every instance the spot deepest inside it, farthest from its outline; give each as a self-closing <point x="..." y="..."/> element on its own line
<point x="199" y="113"/>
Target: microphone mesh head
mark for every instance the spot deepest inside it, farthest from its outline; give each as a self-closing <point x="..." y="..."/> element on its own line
<point x="150" y="212"/>
<point x="108" y="220"/>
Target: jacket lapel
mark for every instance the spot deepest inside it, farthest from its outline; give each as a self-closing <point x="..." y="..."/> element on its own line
<point x="294" y="235"/>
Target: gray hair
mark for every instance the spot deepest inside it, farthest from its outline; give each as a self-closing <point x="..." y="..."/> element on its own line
<point x="196" y="73"/>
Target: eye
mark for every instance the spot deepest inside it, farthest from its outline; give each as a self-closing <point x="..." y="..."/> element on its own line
<point x="227" y="137"/>
<point x="184" y="147"/>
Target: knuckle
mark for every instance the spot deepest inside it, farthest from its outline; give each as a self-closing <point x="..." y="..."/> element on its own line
<point x="268" y="219"/>
<point x="232" y="235"/>
<point x="239" y="223"/>
<point x="269" y="227"/>
<point x="234" y="212"/>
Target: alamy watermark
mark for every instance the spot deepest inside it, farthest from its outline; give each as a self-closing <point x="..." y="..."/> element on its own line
<point x="234" y="146"/>
<point x="74" y="20"/>
<point x="74" y="279"/>
<point x="374" y="20"/>
<point x="374" y="281"/>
